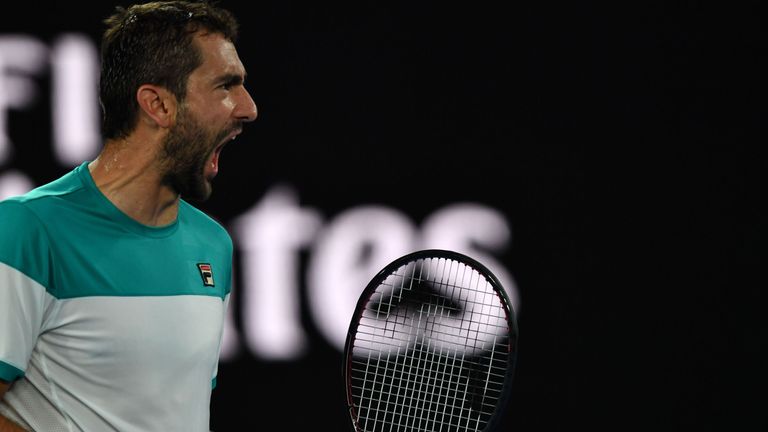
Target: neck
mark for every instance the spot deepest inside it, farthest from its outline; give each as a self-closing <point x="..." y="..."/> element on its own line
<point x="131" y="178"/>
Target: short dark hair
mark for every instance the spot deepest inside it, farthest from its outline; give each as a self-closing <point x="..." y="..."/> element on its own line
<point x="152" y="43"/>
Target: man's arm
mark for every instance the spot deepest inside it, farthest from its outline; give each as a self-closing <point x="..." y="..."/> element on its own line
<point x="5" y="424"/>
<point x="24" y="264"/>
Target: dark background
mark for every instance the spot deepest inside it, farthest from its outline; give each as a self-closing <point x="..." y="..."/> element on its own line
<point x="622" y="141"/>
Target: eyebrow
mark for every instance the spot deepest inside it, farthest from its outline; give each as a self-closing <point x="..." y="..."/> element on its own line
<point x="231" y="79"/>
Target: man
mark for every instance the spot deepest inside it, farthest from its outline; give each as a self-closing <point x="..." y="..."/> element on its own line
<point x="113" y="288"/>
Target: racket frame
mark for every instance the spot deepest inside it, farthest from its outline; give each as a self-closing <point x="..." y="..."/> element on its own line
<point x="413" y="257"/>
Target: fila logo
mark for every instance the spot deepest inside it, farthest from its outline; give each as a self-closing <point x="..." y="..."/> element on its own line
<point x="206" y="273"/>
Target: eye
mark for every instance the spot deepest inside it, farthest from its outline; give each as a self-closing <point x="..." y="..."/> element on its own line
<point x="229" y="82"/>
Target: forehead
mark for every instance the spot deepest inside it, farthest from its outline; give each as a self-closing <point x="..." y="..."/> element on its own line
<point x="219" y="57"/>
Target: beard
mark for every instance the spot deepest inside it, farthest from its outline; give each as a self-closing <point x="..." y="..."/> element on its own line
<point x="185" y="153"/>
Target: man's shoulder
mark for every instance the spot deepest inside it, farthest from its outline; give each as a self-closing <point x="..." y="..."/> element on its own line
<point x="17" y="218"/>
<point x="44" y="198"/>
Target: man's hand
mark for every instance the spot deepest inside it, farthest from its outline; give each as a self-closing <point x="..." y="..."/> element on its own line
<point x="5" y="424"/>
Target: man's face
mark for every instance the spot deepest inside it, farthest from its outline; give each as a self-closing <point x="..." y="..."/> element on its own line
<point x="186" y="154"/>
<point x="215" y="108"/>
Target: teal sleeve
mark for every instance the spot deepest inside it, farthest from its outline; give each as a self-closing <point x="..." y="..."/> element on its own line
<point x="9" y="373"/>
<point x="24" y="265"/>
<point x="24" y="242"/>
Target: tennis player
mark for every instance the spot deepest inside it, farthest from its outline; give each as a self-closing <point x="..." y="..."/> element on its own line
<point x="113" y="287"/>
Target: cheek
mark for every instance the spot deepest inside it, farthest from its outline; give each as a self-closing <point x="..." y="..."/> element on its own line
<point x="212" y="107"/>
<point x="229" y="104"/>
<point x="217" y="113"/>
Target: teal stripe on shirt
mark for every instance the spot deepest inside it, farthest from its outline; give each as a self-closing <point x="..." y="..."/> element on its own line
<point x="72" y="240"/>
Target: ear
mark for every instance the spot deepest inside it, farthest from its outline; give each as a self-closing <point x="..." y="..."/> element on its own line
<point x="157" y="104"/>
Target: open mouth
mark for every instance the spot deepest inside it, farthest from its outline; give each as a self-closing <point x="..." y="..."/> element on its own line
<point x="212" y="167"/>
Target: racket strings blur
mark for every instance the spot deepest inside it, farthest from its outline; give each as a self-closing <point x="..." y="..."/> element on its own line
<point x="431" y="351"/>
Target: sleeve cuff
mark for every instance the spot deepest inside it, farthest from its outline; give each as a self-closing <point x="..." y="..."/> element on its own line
<point x="10" y="373"/>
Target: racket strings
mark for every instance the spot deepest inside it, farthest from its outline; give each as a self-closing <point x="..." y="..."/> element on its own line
<point x="426" y="393"/>
<point x="380" y="335"/>
<point x="497" y="367"/>
<point x="390" y="306"/>
<point x="431" y="351"/>
<point x="383" y="385"/>
<point x="393" y="291"/>
<point x="437" y="300"/>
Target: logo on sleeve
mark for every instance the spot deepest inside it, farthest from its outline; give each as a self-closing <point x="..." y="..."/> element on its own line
<point x="206" y="272"/>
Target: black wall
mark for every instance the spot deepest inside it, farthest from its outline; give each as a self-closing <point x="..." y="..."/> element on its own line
<point x="620" y="142"/>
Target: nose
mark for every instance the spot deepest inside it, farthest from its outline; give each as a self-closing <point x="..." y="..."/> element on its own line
<point x="246" y="108"/>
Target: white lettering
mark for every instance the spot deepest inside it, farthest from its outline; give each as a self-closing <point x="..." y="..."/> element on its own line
<point x="230" y="345"/>
<point x="75" y="101"/>
<point x="354" y="247"/>
<point x="470" y="228"/>
<point x="397" y="327"/>
<point x="20" y="56"/>
<point x="14" y="183"/>
<point x="271" y="235"/>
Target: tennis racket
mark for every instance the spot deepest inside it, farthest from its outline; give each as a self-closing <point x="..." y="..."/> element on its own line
<point x="431" y="347"/>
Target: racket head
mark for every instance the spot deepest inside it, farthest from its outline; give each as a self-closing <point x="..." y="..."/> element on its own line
<point x="431" y="345"/>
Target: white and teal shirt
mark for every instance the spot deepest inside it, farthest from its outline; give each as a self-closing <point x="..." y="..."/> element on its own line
<point x="107" y="324"/>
